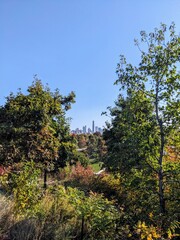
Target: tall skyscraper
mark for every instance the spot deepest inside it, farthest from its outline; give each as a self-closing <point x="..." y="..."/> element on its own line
<point x="84" y="129"/>
<point x="93" y="126"/>
<point x="87" y="130"/>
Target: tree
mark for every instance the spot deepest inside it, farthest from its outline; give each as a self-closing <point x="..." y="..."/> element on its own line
<point x="132" y="133"/>
<point x="34" y="127"/>
<point x="154" y="80"/>
<point x="81" y="140"/>
<point x="96" y="147"/>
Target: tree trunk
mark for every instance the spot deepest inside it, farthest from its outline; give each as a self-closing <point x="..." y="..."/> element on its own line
<point x="162" y="205"/>
<point x="160" y="174"/>
<point x="161" y="193"/>
<point x="82" y="228"/>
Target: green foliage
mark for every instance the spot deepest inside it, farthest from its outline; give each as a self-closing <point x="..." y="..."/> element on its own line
<point x="132" y="134"/>
<point x="71" y="213"/>
<point x="34" y="127"/>
<point x="93" y="145"/>
<point x="108" y="184"/>
<point x="98" y="214"/>
<point x="4" y="183"/>
<point x="146" y="232"/>
<point x="26" y="190"/>
<point x="96" y="166"/>
<point x="81" y="158"/>
<point x="139" y="199"/>
<point x="68" y="212"/>
<point x="143" y="122"/>
<point x="96" y="147"/>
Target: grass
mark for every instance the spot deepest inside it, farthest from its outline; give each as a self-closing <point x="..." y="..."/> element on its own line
<point x="96" y="166"/>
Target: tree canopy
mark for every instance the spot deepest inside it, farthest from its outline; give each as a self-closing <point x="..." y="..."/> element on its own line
<point x="136" y="195"/>
<point x="34" y="126"/>
<point x="147" y="112"/>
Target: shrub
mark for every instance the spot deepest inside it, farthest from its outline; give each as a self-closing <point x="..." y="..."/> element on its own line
<point x="81" y="177"/>
<point x="69" y="214"/>
<point x="26" y="189"/>
<point x="107" y="184"/>
<point x="63" y="173"/>
<point x="145" y="232"/>
<point x="81" y="173"/>
<point x="82" y="158"/>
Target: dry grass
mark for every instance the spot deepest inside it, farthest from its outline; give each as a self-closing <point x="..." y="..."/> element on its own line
<point x="54" y="220"/>
<point x="6" y="215"/>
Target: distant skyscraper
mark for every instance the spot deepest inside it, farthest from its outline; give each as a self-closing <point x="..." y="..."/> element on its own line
<point x="84" y="129"/>
<point x="89" y="130"/>
<point x="92" y="126"/>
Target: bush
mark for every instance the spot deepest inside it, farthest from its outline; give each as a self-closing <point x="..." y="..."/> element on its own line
<point x="90" y="217"/>
<point x="81" y="178"/>
<point x="26" y="190"/>
<point x="82" y="174"/>
<point x="83" y="159"/>
<point x="107" y="184"/>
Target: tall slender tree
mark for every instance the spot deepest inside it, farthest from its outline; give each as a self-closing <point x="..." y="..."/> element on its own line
<point x="155" y="80"/>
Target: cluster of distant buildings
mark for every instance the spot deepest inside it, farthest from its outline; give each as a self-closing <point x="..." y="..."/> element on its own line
<point x="86" y="130"/>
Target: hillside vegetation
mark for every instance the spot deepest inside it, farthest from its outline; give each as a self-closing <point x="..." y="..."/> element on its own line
<point x="50" y="188"/>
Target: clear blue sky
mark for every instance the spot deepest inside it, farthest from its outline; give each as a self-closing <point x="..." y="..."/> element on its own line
<point x="75" y="45"/>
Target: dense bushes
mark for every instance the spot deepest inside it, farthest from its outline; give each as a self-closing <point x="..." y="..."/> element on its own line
<point x="63" y="214"/>
<point x="57" y="213"/>
<point x="89" y="206"/>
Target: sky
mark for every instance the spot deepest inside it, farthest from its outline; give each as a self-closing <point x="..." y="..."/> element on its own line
<point x="74" y="45"/>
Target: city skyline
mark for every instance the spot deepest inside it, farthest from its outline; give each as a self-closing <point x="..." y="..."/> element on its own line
<point x="87" y="130"/>
<point x="75" y="46"/>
